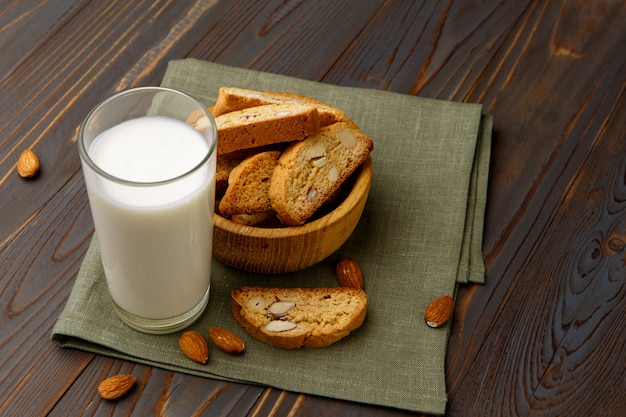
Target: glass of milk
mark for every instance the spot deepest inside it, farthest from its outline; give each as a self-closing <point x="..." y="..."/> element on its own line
<point x="148" y="156"/>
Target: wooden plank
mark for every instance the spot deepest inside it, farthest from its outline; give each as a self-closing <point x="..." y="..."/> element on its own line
<point x="557" y="348"/>
<point x="296" y="38"/>
<point x="550" y="111"/>
<point x="37" y="273"/>
<point x="543" y="101"/>
<point x="437" y="49"/>
<point x="157" y="392"/>
<point x="24" y="26"/>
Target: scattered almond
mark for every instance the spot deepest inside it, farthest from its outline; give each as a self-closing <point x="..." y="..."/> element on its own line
<point x="226" y="341"/>
<point x="439" y="311"/>
<point x="116" y="386"/>
<point x="193" y="345"/>
<point x="28" y="164"/>
<point x="349" y="274"/>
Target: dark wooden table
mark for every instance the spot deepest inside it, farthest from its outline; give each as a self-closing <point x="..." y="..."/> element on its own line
<point x="545" y="335"/>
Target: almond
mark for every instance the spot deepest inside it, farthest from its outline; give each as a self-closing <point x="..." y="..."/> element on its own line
<point x="116" y="386"/>
<point x="226" y="341"/>
<point x="439" y="311"/>
<point x="310" y="196"/>
<point x="280" y="308"/>
<point x="333" y="174"/>
<point x="277" y="326"/>
<point x="28" y="164"/>
<point x="349" y="274"/>
<point x="347" y="138"/>
<point x="317" y="150"/>
<point x="193" y="345"/>
<point x="256" y="304"/>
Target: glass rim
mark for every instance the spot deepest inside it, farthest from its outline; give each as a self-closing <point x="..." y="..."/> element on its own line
<point x="85" y="155"/>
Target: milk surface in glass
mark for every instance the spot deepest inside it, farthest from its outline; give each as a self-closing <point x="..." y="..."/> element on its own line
<point x="149" y="236"/>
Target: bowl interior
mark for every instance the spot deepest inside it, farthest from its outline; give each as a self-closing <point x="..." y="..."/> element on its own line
<point x="285" y="249"/>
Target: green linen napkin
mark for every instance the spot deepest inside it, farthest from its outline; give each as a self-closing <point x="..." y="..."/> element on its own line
<point x="419" y="236"/>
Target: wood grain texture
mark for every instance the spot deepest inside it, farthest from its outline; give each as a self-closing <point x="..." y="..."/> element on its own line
<point x="544" y="335"/>
<point x="544" y="136"/>
<point x="292" y="37"/>
<point x="37" y="272"/>
<point x="157" y="392"/>
<point x="42" y="19"/>
<point x="542" y="358"/>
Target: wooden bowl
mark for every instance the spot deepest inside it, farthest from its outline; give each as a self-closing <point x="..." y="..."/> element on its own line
<point x="288" y="249"/>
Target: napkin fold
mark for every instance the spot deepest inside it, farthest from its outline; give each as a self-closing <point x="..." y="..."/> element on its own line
<point x="420" y="235"/>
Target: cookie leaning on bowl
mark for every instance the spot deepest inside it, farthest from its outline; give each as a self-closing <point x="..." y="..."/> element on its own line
<point x="248" y="185"/>
<point x="310" y="171"/>
<point x="291" y="318"/>
<point x="227" y="162"/>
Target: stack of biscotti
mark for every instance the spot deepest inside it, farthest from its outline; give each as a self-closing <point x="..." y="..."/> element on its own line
<point x="281" y="156"/>
<point x="231" y="99"/>
<point x="291" y="318"/>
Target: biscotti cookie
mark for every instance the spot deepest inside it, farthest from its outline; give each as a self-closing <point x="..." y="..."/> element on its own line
<point x="225" y="164"/>
<point x="265" y="125"/>
<point x="267" y="219"/>
<point x="290" y="318"/>
<point x="248" y="185"/>
<point x="231" y="99"/>
<point x="228" y="161"/>
<point x="310" y="171"/>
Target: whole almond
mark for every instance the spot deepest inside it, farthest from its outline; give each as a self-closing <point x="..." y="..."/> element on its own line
<point x="226" y="341"/>
<point x="28" y="164"/>
<point x="116" y="386"/>
<point x="439" y="311"/>
<point x="349" y="274"/>
<point x="193" y="345"/>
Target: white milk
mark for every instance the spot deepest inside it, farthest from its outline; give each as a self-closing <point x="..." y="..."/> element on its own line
<point x="155" y="241"/>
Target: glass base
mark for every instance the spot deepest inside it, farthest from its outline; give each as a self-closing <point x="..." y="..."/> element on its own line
<point x="163" y="326"/>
